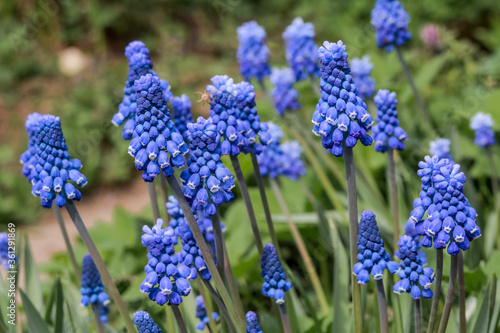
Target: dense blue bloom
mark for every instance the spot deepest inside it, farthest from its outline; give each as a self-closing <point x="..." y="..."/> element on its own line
<point x="415" y="279"/>
<point x="181" y="107"/>
<point x="285" y="97"/>
<point x="253" y="53"/>
<point x="275" y="283"/>
<point x="166" y="276"/>
<point x="157" y="145"/>
<point x="301" y="50"/>
<point x="292" y="163"/>
<point x="28" y="159"/>
<point x="450" y="220"/>
<point x="139" y="64"/>
<point x="201" y="314"/>
<point x="372" y="258"/>
<point x="387" y="133"/>
<point x="390" y="21"/>
<point x="441" y="148"/>
<point x="207" y="182"/>
<point x="340" y="116"/>
<point x="482" y="123"/>
<point x="54" y="167"/>
<point x="6" y="259"/>
<point x="252" y="323"/>
<point x="411" y="231"/>
<point x="92" y="289"/>
<point x="361" y="69"/>
<point x="145" y="323"/>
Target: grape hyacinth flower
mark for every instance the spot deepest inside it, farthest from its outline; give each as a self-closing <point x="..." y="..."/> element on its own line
<point x="482" y="124"/>
<point x="201" y="314"/>
<point x="157" y="145"/>
<point x="28" y="159"/>
<point x="451" y="221"/>
<point x="340" y="116"/>
<point x="92" y="289"/>
<point x="139" y="64"/>
<point x="253" y="53"/>
<point x="275" y="283"/>
<point x="207" y="182"/>
<point x="252" y="323"/>
<point x="390" y="21"/>
<point x="411" y="231"/>
<point x="285" y="97"/>
<point x="361" y="69"/>
<point x="441" y="148"/>
<point x="372" y="257"/>
<point x="54" y="167"/>
<point x="415" y="279"/>
<point x="166" y="277"/>
<point x="145" y="323"/>
<point x="301" y="50"/>
<point x="387" y="133"/>
<point x="7" y="259"/>
<point x="181" y="107"/>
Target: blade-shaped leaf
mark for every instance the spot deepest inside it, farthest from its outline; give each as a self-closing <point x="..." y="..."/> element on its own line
<point x="35" y="321"/>
<point x="483" y="315"/>
<point x="59" y="298"/>
<point x="33" y="287"/>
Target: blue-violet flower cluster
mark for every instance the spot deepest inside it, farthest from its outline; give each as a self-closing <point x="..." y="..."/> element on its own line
<point x="386" y="133"/>
<point x="252" y="323"/>
<point x="482" y="124"/>
<point x="92" y="289"/>
<point x="145" y="323"/>
<point x="390" y="21"/>
<point x="361" y="69"/>
<point x="7" y="258"/>
<point x="441" y="148"/>
<point x="201" y="314"/>
<point x="275" y="283"/>
<point x="253" y="53"/>
<point x="285" y="97"/>
<point x="28" y="158"/>
<point x="181" y="107"/>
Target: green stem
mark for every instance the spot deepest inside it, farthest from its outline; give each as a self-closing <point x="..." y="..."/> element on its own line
<point x="208" y="305"/>
<point x="494" y="176"/>
<point x="179" y="319"/>
<point x="382" y="306"/>
<point x="284" y="318"/>
<point x="437" y="290"/>
<point x="101" y="267"/>
<point x="219" y="243"/>
<point x="394" y="196"/>
<point x="97" y="316"/>
<point x="353" y="232"/>
<point x="154" y="201"/>
<point x="164" y="197"/>
<point x="266" y="92"/>
<point x="418" y="316"/>
<point x="233" y="287"/>
<point x="461" y="293"/>
<point x="315" y="85"/>
<point x="71" y="254"/>
<point x="222" y="307"/>
<point x="450" y="295"/>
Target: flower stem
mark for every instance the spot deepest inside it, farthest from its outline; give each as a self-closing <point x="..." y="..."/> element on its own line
<point x="450" y="295"/>
<point x="238" y="321"/>
<point x="394" y="196"/>
<point x="494" y="176"/>
<point x="220" y="304"/>
<point x="179" y="319"/>
<point x="315" y="85"/>
<point x="208" y="305"/>
<point x="352" y="199"/>
<point x="266" y="92"/>
<point x="154" y="201"/>
<point x="97" y="316"/>
<point x="219" y="243"/>
<point x="461" y="293"/>
<point x="71" y="254"/>
<point x="284" y="318"/>
<point x="382" y="306"/>
<point x="248" y="202"/>
<point x="101" y="267"/>
<point x="301" y="246"/>
<point x="417" y="95"/>
<point x="418" y="316"/>
<point x="164" y="197"/>
<point x="437" y="290"/>
<point x="233" y="287"/>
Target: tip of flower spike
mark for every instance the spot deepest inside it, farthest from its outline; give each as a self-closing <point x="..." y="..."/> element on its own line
<point x="135" y="47"/>
<point x="298" y="29"/>
<point x="481" y="120"/>
<point x="251" y="31"/>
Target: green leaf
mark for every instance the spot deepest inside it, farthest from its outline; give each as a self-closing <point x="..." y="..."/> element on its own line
<point x="488" y="301"/>
<point x="59" y="298"/>
<point x="32" y="283"/>
<point x="35" y="321"/>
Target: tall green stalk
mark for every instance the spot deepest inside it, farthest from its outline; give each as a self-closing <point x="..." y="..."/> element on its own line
<point x="461" y="293"/>
<point x="219" y="243"/>
<point x="437" y="290"/>
<point x="97" y="317"/>
<point x="208" y="305"/>
<point x="450" y="295"/>
<point x="164" y="197"/>
<point x="178" y="318"/>
<point x="382" y="306"/>
<point x="69" y="248"/>
<point x="494" y="175"/>
<point x="231" y="281"/>
<point x="284" y="318"/>
<point x="154" y="201"/>
<point x="394" y="197"/>
<point x="222" y="307"/>
<point x="418" y="316"/>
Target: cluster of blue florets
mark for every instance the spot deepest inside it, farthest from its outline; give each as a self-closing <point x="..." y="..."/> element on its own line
<point x="157" y="145"/>
<point x="340" y="116"/>
<point x="275" y="283"/>
<point x="202" y="315"/>
<point x="139" y="64"/>
<point x="386" y="133"/>
<point x="285" y="97"/>
<point x="361" y="69"/>
<point x="6" y="257"/>
<point x="415" y="279"/>
<point x="441" y="148"/>
<point x="181" y="107"/>
<point x="390" y="21"/>
<point x="253" y="53"/>
<point x="372" y="258"/>
<point x="482" y="124"/>
<point x="252" y="323"/>
<point x="301" y="50"/>
<point x="411" y="231"/>
<point x="207" y="182"/>
<point x="450" y="220"/>
<point x="145" y="323"/>
<point x="28" y="158"/>
<point x="166" y="276"/>
<point x="92" y="289"/>
<point x="54" y="167"/>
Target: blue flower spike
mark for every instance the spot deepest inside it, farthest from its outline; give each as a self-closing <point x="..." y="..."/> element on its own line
<point x="92" y="289"/>
<point x="387" y="133"/>
<point x="253" y="53"/>
<point x="139" y="64"/>
<point x="441" y="148"/>
<point x="442" y="214"/>
<point x="201" y="314"/>
<point x="157" y="145"/>
<point x="7" y="258"/>
<point x="54" y="167"/>
<point x="301" y="50"/>
<point x="361" y="69"/>
<point x="145" y="323"/>
<point x="415" y="279"/>
<point x="390" y="21"/>
<point x="181" y="107"/>
<point x="28" y="158"/>
<point x="253" y="325"/>
<point x="340" y="116"/>
<point x="482" y="124"/>
<point x="275" y="283"/>
<point x="285" y="97"/>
